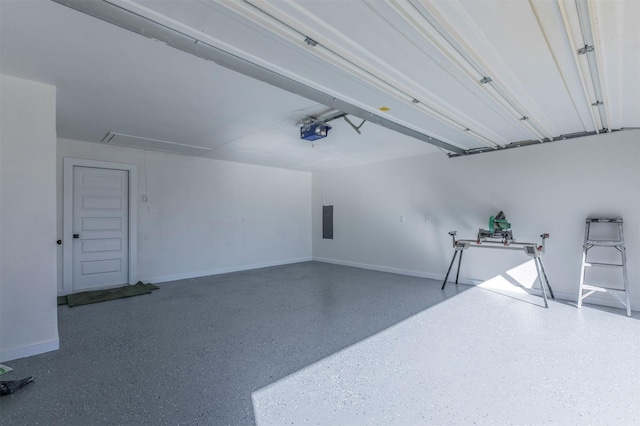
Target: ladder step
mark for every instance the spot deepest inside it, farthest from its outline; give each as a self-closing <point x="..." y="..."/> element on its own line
<point x="606" y="243"/>
<point x="601" y="288"/>
<point x="604" y="219"/>
<point x="603" y="265"/>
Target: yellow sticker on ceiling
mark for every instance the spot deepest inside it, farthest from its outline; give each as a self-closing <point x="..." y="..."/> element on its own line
<point x="384" y="109"/>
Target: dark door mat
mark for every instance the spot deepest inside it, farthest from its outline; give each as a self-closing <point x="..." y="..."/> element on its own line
<point x="87" y="297"/>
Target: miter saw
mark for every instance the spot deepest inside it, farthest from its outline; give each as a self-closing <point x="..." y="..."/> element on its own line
<point x="499" y="236"/>
<point x="499" y="229"/>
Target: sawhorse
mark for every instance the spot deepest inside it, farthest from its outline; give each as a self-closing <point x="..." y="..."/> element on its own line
<point x="530" y="249"/>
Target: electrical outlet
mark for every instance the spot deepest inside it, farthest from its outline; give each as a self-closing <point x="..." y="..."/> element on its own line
<point x="401" y="219"/>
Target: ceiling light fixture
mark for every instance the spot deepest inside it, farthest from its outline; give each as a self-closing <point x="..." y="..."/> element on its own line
<point x="113" y="138"/>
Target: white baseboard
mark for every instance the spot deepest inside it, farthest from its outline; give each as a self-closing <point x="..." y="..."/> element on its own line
<point x="571" y="297"/>
<point x="29" y="350"/>
<point x="419" y="274"/>
<point x="187" y="275"/>
<point x="592" y="300"/>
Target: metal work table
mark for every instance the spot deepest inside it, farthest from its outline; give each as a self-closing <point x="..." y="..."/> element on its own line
<point x="530" y="249"/>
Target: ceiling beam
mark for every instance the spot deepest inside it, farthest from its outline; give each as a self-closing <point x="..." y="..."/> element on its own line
<point x="364" y="66"/>
<point x="599" y="62"/>
<point x="586" y="61"/>
<point x="555" y="50"/>
<point x="123" y="18"/>
<point x="438" y="31"/>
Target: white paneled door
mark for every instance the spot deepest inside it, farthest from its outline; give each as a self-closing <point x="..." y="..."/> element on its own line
<point x="100" y="227"/>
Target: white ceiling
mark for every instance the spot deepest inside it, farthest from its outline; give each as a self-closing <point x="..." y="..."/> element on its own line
<point x="424" y="61"/>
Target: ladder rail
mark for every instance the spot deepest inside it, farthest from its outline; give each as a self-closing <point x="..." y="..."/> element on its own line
<point x="623" y="253"/>
<point x="583" y="270"/>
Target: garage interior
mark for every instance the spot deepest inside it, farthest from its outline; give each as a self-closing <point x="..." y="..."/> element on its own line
<point x="231" y="129"/>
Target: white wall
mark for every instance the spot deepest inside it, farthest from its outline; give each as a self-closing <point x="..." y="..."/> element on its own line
<point x="28" y="309"/>
<point x="210" y="216"/>
<point x="548" y="188"/>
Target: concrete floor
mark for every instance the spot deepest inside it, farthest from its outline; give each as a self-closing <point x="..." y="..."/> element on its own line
<point x="314" y="343"/>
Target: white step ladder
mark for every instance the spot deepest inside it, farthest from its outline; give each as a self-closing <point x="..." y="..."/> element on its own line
<point x="616" y="243"/>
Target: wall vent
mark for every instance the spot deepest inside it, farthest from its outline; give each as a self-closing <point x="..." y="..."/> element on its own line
<point x="153" y="144"/>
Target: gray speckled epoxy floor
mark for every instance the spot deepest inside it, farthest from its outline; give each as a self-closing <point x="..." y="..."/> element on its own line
<point x="193" y="351"/>
<point x="314" y="343"/>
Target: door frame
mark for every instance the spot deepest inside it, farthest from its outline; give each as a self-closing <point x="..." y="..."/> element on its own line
<point x="67" y="215"/>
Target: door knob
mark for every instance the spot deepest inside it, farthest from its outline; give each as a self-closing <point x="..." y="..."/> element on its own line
<point x="76" y="235"/>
